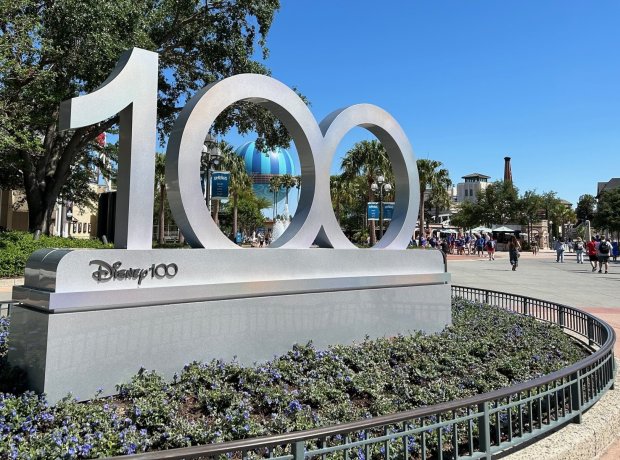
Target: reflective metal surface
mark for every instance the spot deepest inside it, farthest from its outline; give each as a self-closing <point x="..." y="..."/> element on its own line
<point x="314" y="220"/>
<point x="131" y="89"/>
<point x="68" y="280"/>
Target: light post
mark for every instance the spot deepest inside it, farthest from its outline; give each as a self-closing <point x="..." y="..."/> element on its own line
<point x="550" y="233"/>
<point x="213" y="156"/>
<point x="381" y="186"/>
<point x="69" y="214"/>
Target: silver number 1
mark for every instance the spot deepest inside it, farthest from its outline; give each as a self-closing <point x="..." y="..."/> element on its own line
<point x="131" y="89"/>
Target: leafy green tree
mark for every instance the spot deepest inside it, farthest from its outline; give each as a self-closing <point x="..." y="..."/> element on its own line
<point x="437" y="181"/>
<point x="240" y="181"/>
<point x="343" y="193"/>
<point x="498" y="203"/>
<point x="467" y="216"/>
<point x="160" y="189"/>
<point x="249" y="215"/>
<point x="52" y="51"/>
<point x="529" y="207"/>
<point x="275" y="186"/>
<point x="586" y="207"/>
<point x="298" y="186"/>
<point x="555" y="211"/>
<point x="608" y="211"/>
<point x="368" y="159"/>
<point x="287" y="182"/>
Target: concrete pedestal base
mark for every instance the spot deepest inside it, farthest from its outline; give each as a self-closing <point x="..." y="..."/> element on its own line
<point x="86" y="347"/>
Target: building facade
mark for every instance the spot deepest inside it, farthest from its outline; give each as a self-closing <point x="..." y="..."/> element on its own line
<point x="14" y="216"/>
<point x="472" y="185"/>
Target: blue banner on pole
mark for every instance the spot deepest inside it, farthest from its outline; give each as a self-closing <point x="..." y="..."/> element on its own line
<point x="388" y="210"/>
<point x="373" y="210"/>
<point x="219" y="185"/>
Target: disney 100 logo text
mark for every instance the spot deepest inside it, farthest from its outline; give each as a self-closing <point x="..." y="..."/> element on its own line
<point x="112" y="272"/>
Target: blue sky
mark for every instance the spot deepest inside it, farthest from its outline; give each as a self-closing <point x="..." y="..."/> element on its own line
<point x="469" y="81"/>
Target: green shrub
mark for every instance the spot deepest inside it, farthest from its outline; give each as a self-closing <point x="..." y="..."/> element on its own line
<point x="17" y="247"/>
<point x="484" y="349"/>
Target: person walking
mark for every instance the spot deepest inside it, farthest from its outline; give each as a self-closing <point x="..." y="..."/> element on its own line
<point x="513" y="251"/>
<point x="614" y="250"/>
<point x="579" y="250"/>
<point x="604" y="249"/>
<point x="559" y="250"/>
<point x="592" y="253"/>
<point x="480" y="246"/>
<point x="491" y="248"/>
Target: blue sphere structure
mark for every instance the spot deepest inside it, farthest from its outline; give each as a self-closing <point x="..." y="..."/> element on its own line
<point x="262" y="166"/>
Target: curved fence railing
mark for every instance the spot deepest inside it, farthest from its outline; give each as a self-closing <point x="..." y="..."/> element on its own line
<point x="5" y="307"/>
<point x="475" y="427"/>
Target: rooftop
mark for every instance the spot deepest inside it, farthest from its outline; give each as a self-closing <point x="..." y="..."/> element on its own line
<point x="476" y="175"/>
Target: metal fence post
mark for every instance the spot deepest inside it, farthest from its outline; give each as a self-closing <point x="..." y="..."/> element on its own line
<point x="590" y="331"/>
<point x="613" y="370"/>
<point x="576" y="396"/>
<point x="484" y="430"/>
<point x="525" y="307"/>
<point x="561" y="315"/>
<point x="299" y="450"/>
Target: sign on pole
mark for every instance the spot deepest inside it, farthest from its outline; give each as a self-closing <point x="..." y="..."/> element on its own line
<point x="373" y="210"/>
<point x="388" y="210"/>
<point x="219" y="185"/>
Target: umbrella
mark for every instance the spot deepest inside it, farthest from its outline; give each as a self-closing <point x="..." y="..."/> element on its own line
<point x="481" y="230"/>
<point x="504" y="230"/>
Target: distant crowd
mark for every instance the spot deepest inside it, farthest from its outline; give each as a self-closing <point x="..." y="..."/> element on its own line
<point x="599" y="250"/>
<point x="462" y="244"/>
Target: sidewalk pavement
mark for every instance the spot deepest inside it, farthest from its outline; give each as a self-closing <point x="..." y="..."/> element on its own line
<point x="6" y="287"/>
<point x="542" y="277"/>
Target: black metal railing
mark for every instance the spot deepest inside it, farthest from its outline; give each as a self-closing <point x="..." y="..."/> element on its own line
<point x="475" y="427"/>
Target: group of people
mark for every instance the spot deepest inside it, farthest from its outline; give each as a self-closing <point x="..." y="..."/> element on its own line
<point x="459" y="244"/>
<point x="599" y="249"/>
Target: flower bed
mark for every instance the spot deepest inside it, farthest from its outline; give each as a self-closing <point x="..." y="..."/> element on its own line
<point x="486" y="348"/>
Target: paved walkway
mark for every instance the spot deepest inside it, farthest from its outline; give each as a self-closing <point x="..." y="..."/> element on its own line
<point x="542" y="277"/>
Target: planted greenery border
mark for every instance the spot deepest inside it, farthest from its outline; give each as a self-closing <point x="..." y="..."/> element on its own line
<point x="16" y="247"/>
<point x="485" y="349"/>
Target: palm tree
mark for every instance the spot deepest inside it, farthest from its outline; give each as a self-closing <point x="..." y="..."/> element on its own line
<point x="274" y="187"/>
<point x="160" y="186"/>
<point x="433" y="178"/>
<point x="298" y="186"/>
<point x="337" y="186"/>
<point x="288" y="182"/>
<point x="368" y="159"/>
<point x="440" y="197"/>
<point x="240" y="181"/>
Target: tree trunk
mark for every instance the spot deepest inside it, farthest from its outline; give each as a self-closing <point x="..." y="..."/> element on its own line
<point x="422" y="232"/>
<point x="371" y="223"/>
<point x="162" y="216"/>
<point x="216" y="212"/>
<point x="338" y="209"/>
<point x="235" y="227"/>
<point x="40" y="206"/>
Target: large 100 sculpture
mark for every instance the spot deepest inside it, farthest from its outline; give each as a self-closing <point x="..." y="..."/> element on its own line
<point x="91" y="318"/>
